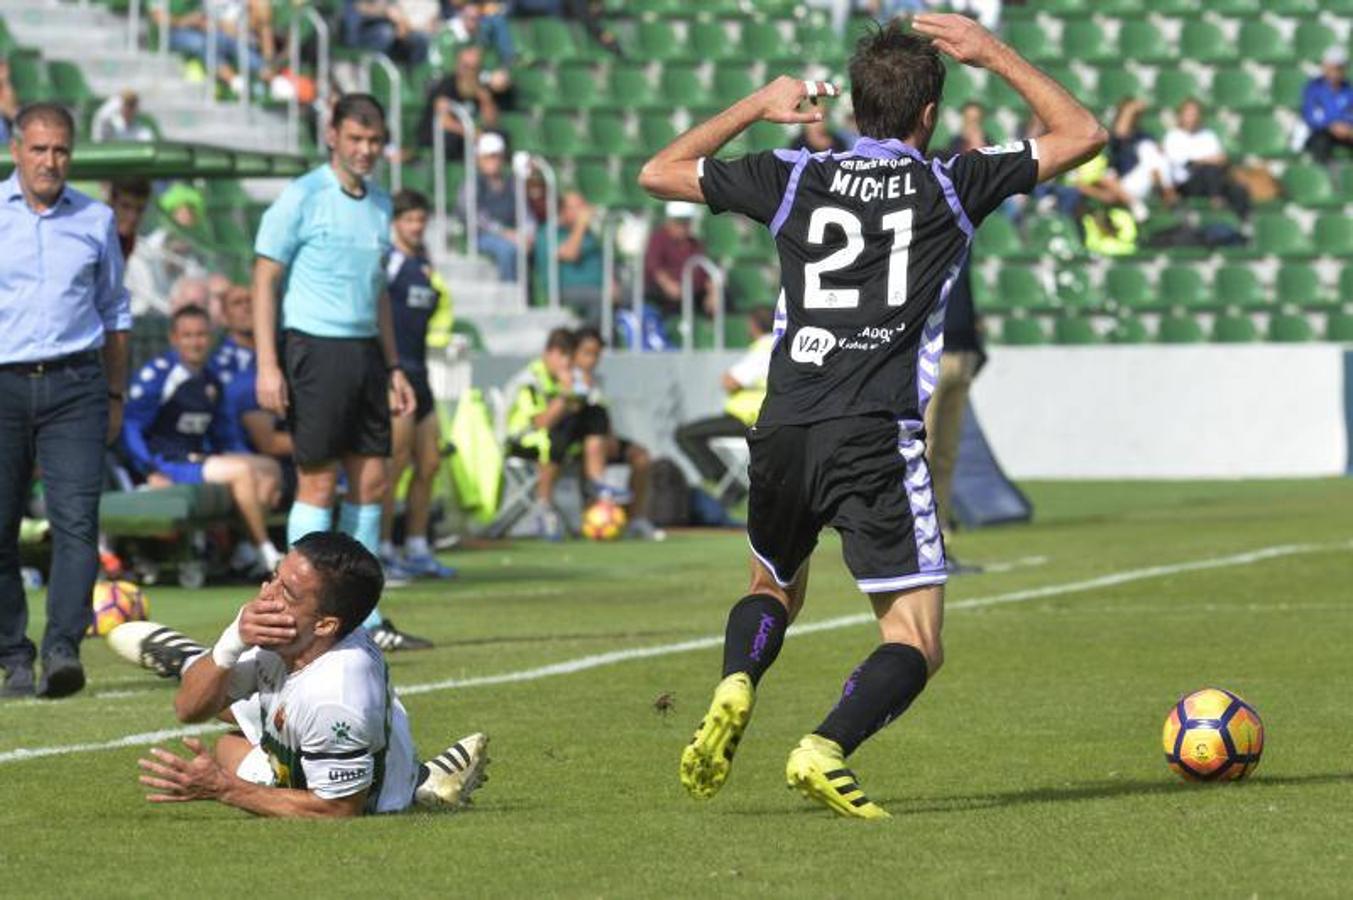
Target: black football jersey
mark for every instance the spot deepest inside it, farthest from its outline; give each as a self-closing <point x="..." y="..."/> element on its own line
<point x="870" y="242"/>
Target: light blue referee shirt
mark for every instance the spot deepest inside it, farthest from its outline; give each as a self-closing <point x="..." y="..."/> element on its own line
<point x="333" y="245"/>
<point x="60" y="276"/>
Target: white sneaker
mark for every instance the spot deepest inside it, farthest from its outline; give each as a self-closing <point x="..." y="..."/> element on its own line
<point x="645" y="530"/>
<point x="454" y="774"/>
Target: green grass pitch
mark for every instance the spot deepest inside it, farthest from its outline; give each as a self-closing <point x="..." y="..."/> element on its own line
<point x="1032" y="765"/>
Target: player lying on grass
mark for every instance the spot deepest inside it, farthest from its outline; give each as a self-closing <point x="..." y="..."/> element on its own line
<point x="322" y="733"/>
<point x="870" y="244"/>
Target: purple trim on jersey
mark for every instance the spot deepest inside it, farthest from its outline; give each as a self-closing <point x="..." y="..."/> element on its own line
<point x="787" y="201"/>
<point x="789" y="156"/>
<point x="891" y="148"/>
<point x="951" y="196"/>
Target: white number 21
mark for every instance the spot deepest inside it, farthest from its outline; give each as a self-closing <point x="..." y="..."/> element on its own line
<point x="817" y="297"/>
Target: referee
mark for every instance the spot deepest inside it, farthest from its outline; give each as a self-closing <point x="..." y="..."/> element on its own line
<point x="61" y="303"/>
<point x="338" y="379"/>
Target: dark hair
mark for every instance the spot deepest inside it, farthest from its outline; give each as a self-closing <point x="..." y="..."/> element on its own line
<point x="561" y="339"/>
<point x="192" y="310"/>
<point x="350" y="576"/>
<point x="893" y="75"/>
<point x="46" y="113"/>
<point x="409" y="200"/>
<point x="764" y="319"/>
<point x="363" y="109"/>
<point x="589" y="333"/>
<point x="133" y="187"/>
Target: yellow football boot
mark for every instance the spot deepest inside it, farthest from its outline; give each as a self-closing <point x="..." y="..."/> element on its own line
<point x="818" y="769"/>
<point x="706" y="761"/>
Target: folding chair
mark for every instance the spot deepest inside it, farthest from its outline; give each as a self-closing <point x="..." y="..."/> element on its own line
<point x="734" y="454"/>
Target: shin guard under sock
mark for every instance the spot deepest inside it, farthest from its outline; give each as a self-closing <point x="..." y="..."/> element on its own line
<point x="877" y="692"/>
<point x="756" y="629"/>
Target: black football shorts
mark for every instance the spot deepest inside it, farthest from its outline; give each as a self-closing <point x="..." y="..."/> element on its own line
<point x="865" y="476"/>
<point x="340" y="403"/>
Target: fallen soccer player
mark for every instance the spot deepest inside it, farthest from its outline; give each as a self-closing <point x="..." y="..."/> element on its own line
<point x="321" y="731"/>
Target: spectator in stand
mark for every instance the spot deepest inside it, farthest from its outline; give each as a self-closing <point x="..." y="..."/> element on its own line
<point x="579" y="254"/>
<point x="588" y="12"/>
<point x="1327" y="106"/>
<point x="820" y="136"/>
<point x="471" y="25"/>
<point x="496" y="217"/>
<point x="1199" y="166"/>
<point x="166" y="255"/>
<point x="745" y="385"/>
<point x="177" y="431"/>
<point x="119" y="119"/>
<point x="669" y="246"/>
<point x="218" y="286"/>
<point x="188" y="36"/>
<point x="384" y="26"/>
<point x="1137" y="159"/>
<point x="972" y="132"/>
<point x="463" y="86"/>
<point x="128" y="198"/>
<point x="189" y="291"/>
<point x="9" y="101"/>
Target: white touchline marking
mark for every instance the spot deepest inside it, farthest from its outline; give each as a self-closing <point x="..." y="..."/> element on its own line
<point x="1024" y="562"/>
<point x="583" y="663"/>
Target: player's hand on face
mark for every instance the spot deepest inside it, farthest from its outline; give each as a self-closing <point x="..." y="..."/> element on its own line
<point x="402" y="399"/>
<point x="271" y="389"/>
<point x="177" y="779"/>
<point x="958" y="36"/>
<point x="265" y="622"/>
<point x="780" y="100"/>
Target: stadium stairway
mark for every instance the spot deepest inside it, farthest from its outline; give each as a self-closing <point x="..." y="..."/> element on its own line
<point x="96" y="40"/>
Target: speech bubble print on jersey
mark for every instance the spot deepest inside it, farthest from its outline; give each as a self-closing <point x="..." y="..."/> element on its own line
<point x="811" y="345"/>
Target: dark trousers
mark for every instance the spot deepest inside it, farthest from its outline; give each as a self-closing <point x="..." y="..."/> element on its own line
<point x="1215" y="181"/>
<point x="1321" y="145"/>
<point x="59" y="420"/>
<point x="693" y="439"/>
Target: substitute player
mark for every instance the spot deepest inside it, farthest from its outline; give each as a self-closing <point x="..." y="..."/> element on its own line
<point x="329" y="233"/>
<point x="323" y="734"/>
<point x="870" y="242"/>
<point x="414" y="298"/>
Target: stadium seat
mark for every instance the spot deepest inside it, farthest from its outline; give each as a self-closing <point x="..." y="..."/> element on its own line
<point x="1339" y="327"/>
<point x="1171" y="7"/>
<point x="1129" y="329"/>
<point x="1289" y="328"/>
<point x="763" y="39"/>
<point x="1022" y="331"/>
<point x="1141" y="41"/>
<point x="1261" y="41"/>
<point x="1310" y="185"/>
<point x="1235" y="88"/>
<point x="1054" y="236"/>
<point x="1179" y="328"/>
<point x="598" y="182"/>
<point x="960" y="86"/>
<point x="1279" y="235"/>
<point x="1334" y="235"/>
<point x="1287" y="86"/>
<point x="1238" y="286"/>
<point x="1262" y="135"/>
<point x="1233" y="328"/>
<point x="630" y="86"/>
<point x="553" y="39"/>
<point x="1346" y="283"/>
<point x="1174" y="86"/>
<point x="28" y="74"/>
<point x="1031" y="39"/>
<point x="1299" y="285"/>
<point x="580" y="85"/>
<point x="722" y="236"/>
<point x="1204" y="41"/>
<point x="68" y="84"/>
<point x="750" y="285"/>
<point x="1127" y="286"/>
<point x="711" y="39"/>
<point x="1236" y="8"/>
<point x="1075" y="290"/>
<point x="656" y="131"/>
<point x="1085" y="40"/>
<point x="818" y="42"/>
<point x="521" y="131"/>
<point x="534" y="85"/>
<point x="1113" y="85"/>
<point x="1074" y="330"/>
<point x="1311" y="39"/>
<point x="1019" y="287"/>
<point x="681" y="85"/>
<point x="1183" y="285"/>
<point x="997" y="237"/>
<point x="561" y="135"/>
<point x="733" y="81"/>
<point x="766" y="136"/>
<point x="1121" y="8"/>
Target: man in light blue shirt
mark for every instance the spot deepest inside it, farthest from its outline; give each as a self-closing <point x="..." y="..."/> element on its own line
<point x="323" y="242"/>
<point x="64" y="318"/>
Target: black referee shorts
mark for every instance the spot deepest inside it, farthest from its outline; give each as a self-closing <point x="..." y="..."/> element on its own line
<point x="340" y="403"/>
<point x="866" y="477"/>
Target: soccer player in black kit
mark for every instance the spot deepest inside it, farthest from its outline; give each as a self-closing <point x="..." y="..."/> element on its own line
<point x="870" y="244"/>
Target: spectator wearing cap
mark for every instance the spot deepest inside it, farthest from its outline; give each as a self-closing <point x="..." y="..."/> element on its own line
<point x="63" y="371"/>
<point x="464" y="86"/>
<point x="119" y="119"/>
<point x="1327" y="106"/>
<point x="669" y="246"/>
<point x="496" y="198"/>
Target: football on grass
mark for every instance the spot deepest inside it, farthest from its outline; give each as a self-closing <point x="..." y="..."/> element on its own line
<point x="1213" y="735"/>
<point x="603" y="521"/>
<point x="115" y="602"/>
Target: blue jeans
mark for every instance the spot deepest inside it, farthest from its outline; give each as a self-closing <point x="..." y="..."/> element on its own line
<point x="58" y="419"/>
<point x="380" y="35"/>
<point x="503" y="253"/>
<point x="193" y="42"/>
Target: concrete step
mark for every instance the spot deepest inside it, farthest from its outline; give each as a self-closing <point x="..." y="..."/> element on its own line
<point x="517" y="333"/>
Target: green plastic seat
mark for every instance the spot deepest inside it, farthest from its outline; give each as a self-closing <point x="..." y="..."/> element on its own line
<point x="1173" y="86"/>
<point x="751" y="283"/>
<point x="1339" y="327"/>
<point x="711" y="39"/>
<point x="561" y="134"/>
<point x="68" y="83"/>
<point x="1236" y="7"/>
<point x="819" y="42"/>
<point x="1171" y="7"/>
<point x="1311" y="39"/>
<point x="1235" y="88"/>
<point x="1031" y="39"/>
<point x="534" y="86"/>
<point x="1260" y="41"/>
<point x="1179" y="328"/>
<point x="1074" y="330"/>
<point x="1204" y="41"/>
<point x="1346" y="283"/>
<point x="733" y="81"/>
<point x="553" y="39"/>
<point x="1054" y="236"/>
<point x="28" y="74"/>
<point x="1334" y="235"/>
<point x="1288" y="85"/>
<point x="997" y="237"/>
<point x="1289" y="328"/>
<point x="580" y="84"/>
<point x="1276" y="234"/>
<point x="1075" y="289"/>
<point x="1299" y="284"/>
<point x="1141" y="41"/>
<point x="1084" y="40"/>
<point x="656" y="131"/>
<point x="1128" y="286"/>
<point x="1182" y="285"/>
<point x="1021" y="331"/>
<point x="598" y="182"/>
<point x="1262" y="135"/>
<point x="1114" y="85"/>
<point x="763" y="136"/>
<point x="763" y="39"/>
<point x="1129" y="329"/>
<point x="521" y="131"/>
<point x="1021" y="288"/>
<point x="1238" y="285"/>
<point x="659" y="39"/>
<point x="630" y="86"/>
<point x="681" y="85"/>
<point x="722" y="236"/>
<point x="606" y="133"/>
<point x="1310" y="185"/>
<point x="1234" y="328"/>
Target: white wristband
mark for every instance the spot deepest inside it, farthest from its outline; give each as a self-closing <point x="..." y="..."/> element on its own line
<point x="230" y="645"/>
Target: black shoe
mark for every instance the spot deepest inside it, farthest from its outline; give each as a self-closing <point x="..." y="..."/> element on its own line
<point x="954" y="567"/>
<point x="61" y="677"/>
<point x="18" y="681"/>
<point x="389" y="638"/>
<point x="164" y="651"/>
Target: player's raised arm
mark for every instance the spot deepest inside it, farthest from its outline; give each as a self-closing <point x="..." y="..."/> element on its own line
<point x="673" y="173"/>
<point x="1074" y="134"/>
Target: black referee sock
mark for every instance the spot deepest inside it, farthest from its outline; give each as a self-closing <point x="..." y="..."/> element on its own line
<point x="877" y="692"/>
<point x="756" y="629"/>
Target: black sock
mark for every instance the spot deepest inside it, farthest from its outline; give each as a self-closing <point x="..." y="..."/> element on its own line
<point x="877" y="692"/>
<point x="756" y="629"/>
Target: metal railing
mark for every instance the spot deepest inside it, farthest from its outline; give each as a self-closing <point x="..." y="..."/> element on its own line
<point x="637" y="300"/>
<point x="609" y="226"/>
<point x="441" y="215"/>
<point x="551" y="225"/>
<point x="323" y="62"/>
<point x="394" y="110"/>
<point x="521" y="171"/>
<point x="688" y="301"/>
<point x="242" y="59"/>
